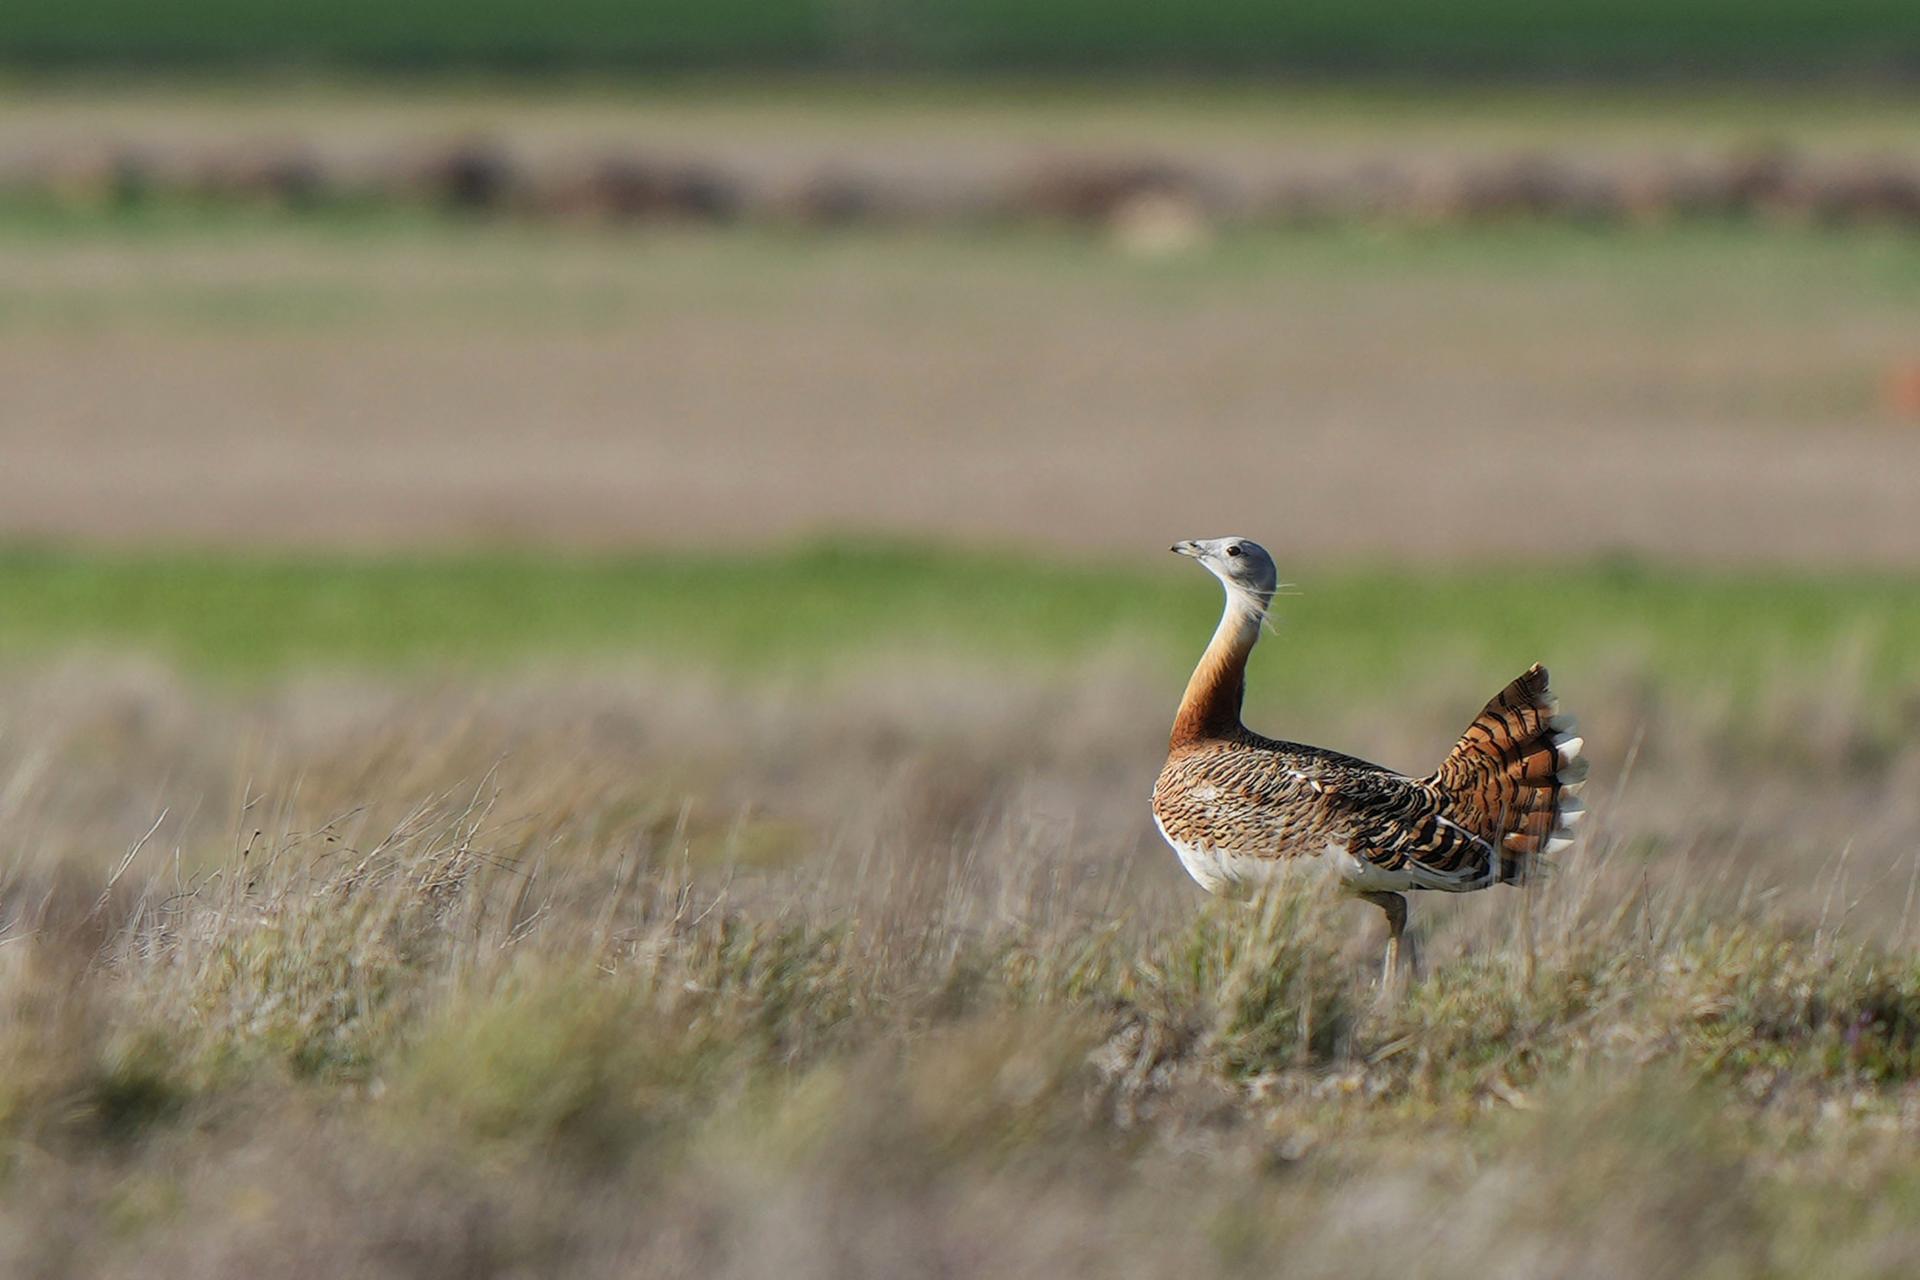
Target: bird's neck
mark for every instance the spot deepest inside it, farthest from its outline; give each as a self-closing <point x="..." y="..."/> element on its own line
<point x="1210" y="709"/>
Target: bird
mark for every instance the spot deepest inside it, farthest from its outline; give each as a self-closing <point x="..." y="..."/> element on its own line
<point x="1242" y="810"/>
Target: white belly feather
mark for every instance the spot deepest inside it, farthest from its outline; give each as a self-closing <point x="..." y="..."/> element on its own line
<point x="1232" y="874"/>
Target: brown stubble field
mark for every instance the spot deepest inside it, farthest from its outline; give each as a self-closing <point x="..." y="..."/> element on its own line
<point x="1704" y="396"/>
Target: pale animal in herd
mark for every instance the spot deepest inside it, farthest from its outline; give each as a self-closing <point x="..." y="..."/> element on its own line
<point x="1240" y="809"/>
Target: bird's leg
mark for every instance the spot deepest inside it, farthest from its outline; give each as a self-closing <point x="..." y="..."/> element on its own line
<point x="1416" y="963"/>
<point x="1395" y="905"/>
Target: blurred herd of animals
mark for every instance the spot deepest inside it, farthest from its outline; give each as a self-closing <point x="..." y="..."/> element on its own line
<point x="1088" y="185"/>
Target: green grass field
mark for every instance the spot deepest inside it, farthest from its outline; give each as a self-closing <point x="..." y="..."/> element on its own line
<point x="1220" y="34"/>
<point x="833" y="607"/>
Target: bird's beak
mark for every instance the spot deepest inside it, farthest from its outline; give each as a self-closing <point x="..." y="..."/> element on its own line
<point x="1186" y="549"/>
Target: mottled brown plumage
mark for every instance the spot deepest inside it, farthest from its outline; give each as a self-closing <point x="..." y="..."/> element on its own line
<point x="1239" y="807"/>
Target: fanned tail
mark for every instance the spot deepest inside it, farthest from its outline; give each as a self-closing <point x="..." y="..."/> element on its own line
<point x="1514" y="777"/>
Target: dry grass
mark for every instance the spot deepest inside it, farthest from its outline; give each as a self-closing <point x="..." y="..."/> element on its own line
<point x="637" y="978"/>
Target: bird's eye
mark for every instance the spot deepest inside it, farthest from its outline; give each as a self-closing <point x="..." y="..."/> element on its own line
<point x="1234" y="550"/>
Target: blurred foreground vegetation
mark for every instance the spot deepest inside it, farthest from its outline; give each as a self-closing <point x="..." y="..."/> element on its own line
<point x="632" y="977"/>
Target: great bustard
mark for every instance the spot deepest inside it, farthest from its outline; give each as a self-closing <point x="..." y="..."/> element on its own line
<point x="1238" y="807"/>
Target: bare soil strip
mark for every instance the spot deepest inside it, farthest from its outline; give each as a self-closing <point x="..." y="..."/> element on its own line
<point x="1723" y="397"/>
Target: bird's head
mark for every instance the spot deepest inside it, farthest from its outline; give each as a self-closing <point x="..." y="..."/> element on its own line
<point x="1242" y="564"/>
